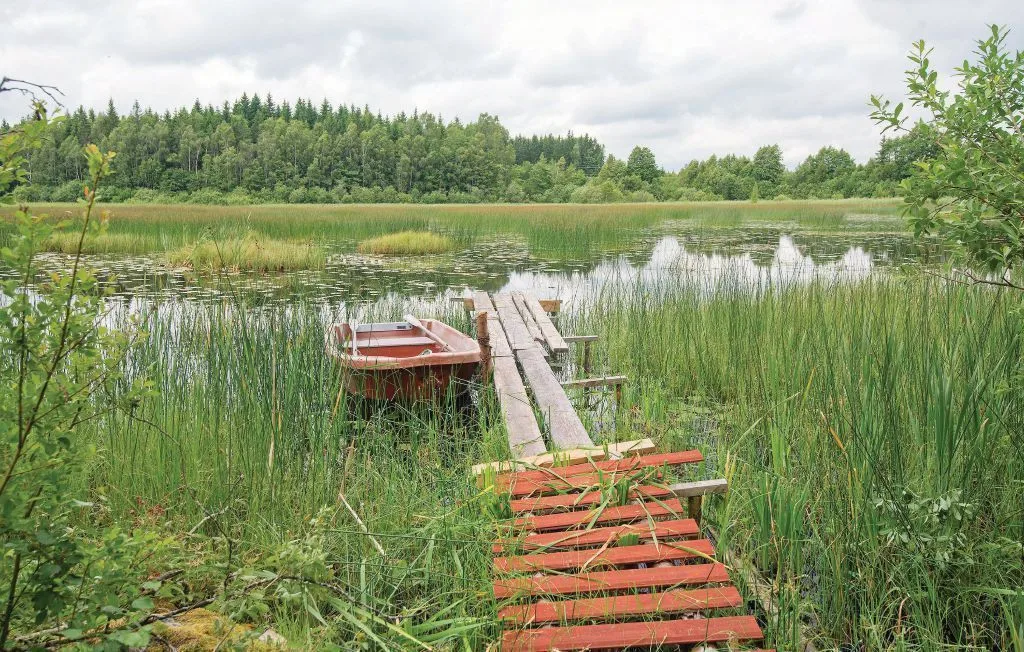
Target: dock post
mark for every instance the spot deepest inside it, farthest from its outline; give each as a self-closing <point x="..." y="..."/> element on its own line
<point x="693" y="507"/>
<point x="483" y="336"/>
<point x="586" y="356"/>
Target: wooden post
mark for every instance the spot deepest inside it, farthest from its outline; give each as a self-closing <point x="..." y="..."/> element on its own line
<point x="483" y="336"/>
<point x="618" y="397"/>
<point x="586" y="356"/>
<point x="693" y="505"/>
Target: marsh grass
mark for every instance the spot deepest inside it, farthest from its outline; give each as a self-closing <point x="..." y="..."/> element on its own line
<point x="66" y="242"/>
<point x="251" y="252"/>
<point x="872" y="433"/>
<point x="552" y="230"/>
<point x="407" y="243"/>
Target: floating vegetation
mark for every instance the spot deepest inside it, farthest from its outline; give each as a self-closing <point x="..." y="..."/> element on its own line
<point x="407" y="243"/>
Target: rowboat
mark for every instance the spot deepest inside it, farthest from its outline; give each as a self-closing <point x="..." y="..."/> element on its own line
<point x="406" y="361"/>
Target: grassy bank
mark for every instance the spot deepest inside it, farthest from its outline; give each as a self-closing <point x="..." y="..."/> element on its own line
<point x="870" y="433"/>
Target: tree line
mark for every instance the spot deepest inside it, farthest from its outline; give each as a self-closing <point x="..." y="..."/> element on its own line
<point x="255" y="150"/>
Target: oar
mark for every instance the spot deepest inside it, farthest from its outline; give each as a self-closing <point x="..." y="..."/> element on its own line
<point x="418" y="324"/>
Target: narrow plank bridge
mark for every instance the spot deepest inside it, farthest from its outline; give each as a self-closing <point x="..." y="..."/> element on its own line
<point x="601" y="550"/>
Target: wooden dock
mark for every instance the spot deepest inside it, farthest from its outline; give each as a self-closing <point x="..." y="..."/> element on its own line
<point x="601" y="550"/>
<point x="523" y="337"/>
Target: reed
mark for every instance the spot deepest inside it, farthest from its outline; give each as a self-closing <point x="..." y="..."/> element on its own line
<point x="407" y="243"/>
<point x="251" y="252"/>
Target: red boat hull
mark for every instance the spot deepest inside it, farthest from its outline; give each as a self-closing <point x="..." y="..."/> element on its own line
<point x="397" y="362"/>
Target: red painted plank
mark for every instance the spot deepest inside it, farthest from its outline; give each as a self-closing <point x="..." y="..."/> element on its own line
<point x="615" y="580"/>
<point x="625" y="464"/>
<point x="629" y="635"/>
<point x="662" y="530"/>
<point x="611" y="556"/>
<point x="623" y="605"/>
<point x="548" y="486"/>
<point x="608" y="515"/>
<point x="564" y="502"/>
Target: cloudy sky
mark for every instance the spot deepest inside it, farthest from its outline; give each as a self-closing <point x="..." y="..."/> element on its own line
<point x="688" y="79"/>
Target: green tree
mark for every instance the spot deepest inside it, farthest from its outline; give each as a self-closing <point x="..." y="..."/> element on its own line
<point x="768" y="170"/>
<point x="972" y="192"/>
<point x="641" y="163"/>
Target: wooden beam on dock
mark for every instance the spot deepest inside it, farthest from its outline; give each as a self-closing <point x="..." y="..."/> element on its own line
<point x="524" y="435"/>
<point x="499" y="343"/>
<point x="603" y="381"/>
<point x="569" y="457"/>
<point x="519" y="337"/>
<point x="573" y="339"/>
<point x="563" y="422"/>
<point x="531" y="323"/>
<point x="555" y="342"/>
<point x="549" y="305"/>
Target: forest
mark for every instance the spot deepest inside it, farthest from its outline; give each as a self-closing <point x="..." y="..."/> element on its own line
<point x="255" y="150"/>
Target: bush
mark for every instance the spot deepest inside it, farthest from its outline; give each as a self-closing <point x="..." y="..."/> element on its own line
<point x="28" y="193"/>
<point x="67" y="191"/>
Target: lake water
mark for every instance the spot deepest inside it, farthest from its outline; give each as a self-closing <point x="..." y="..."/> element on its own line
<point x="746" y="258"/>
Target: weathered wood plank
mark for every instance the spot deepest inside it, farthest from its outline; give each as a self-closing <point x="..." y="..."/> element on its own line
<point x="699" y="488"/>
<point x="579" y="482"/>
<point x="669" y="602"/>
<point x="524" y="436"/>
<point x="617" y="636"/>
<point x="551" y="305"/>
<point x="499" y="342"/>
<point x="563" y="422"/>
<point x="531" y="324"/>
<point x="606" y="516"/>
<point x="648" y="553"/>
<point x="567" y="457"/>
<point x="572" y="339"/>
<point x="662" y="530"/>
<point x="566" y="502"/>
<point x="615" y="580"/>
<point x="558" y="475"/>
<point x="594" y="382"/>
<point x="519" y="337"/>
<point x="553" y="338"/>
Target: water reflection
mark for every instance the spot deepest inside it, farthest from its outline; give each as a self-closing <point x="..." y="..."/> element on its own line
<point x="673" y="266"/>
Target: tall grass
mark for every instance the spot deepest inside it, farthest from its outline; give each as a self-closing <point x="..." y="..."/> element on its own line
<point x="873" y="432"/>
<point x="250" y="252"/>
<point x="407" y="243"/>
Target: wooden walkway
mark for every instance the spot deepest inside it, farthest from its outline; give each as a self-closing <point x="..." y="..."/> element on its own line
<point x="579" y="574"/>
<point x="601" y="550"/>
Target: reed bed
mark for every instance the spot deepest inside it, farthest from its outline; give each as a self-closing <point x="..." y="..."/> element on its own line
<point x="871" y="436"/>
<point x="551" y="229"/>
<point x="407" y="243"/>
<point x="250" y="253"/>
<point x="869" y="430"/>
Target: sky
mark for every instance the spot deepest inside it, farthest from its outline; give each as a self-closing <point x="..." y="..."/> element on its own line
<point x="687" y="79"/>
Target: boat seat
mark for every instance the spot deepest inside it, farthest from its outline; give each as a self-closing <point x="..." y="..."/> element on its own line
<point x="381" y="342"/>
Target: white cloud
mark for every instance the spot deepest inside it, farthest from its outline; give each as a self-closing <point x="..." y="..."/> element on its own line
<point x="685" y="79"/>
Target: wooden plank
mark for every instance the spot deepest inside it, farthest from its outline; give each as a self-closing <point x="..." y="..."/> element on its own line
<point x="567" y="457"/>
<point x="565" y="502"/>
<point x="618" y="606"/>
<point x="551" y="335"/>
<point x="499" y="342"/>
<point x="606" y="581"/>
<point x="606" y="516"/>
<point x="519" y="337"/>
<point x="528" y="319"/>
<point x="524" y="435"/>
<point x="610" y="466"/>
<point x="632" y="635"/>
<point x="594" y="382"/>
<point x="573" y="339"/>
<point x="580" y="482"/>
<point x="661" y="530"/>
<point x="699" y="488"/>
<point x="563" y="422"/>
<point x="612" y="556"/>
